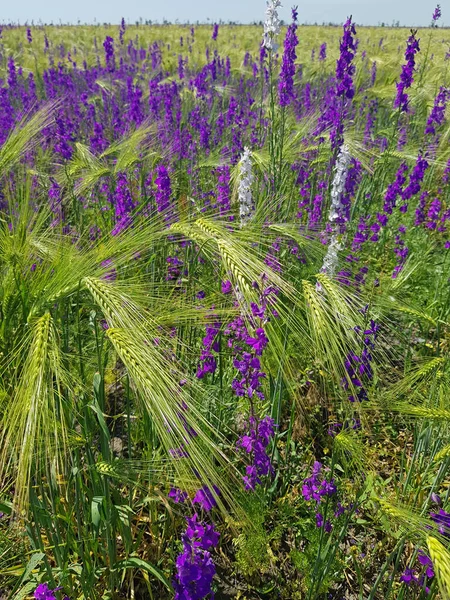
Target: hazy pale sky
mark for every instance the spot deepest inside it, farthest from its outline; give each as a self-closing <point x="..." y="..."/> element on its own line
<point x="365" y="12"/>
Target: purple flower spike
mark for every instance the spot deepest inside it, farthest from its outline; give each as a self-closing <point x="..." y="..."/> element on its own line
<point x="406" y="76"/>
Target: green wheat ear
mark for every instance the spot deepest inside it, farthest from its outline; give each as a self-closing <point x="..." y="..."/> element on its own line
<point x="441" y="563"/>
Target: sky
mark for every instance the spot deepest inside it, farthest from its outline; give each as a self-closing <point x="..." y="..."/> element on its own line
<point x="365" y="12"/>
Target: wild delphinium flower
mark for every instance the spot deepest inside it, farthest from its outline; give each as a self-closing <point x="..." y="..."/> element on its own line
<point x="210" y="343"/>
<point x="163" y="189"/>
<point x="437" y="114"/>
<point x="97" y="139"/>
<point x="442" y="520"/>
<point x="195" y="569"/>
<point x="43" y="592"/>
<point x="215" y="32"/>
<point x="401" y="250"/>
<point x="354" y="173"/>
<point x="271" y="25"/>
<point x="395" y="189"/>
<point x="415" y="180"/>
<point x="335" y="216"/>
<point x="246" y="206"/>
<point x="206" y="497"/>
<point x="122" y="30"/>
<point x="177" y="495"/>
<point x="12" y="74"/>
<point x="29" y="36"/>
<point x="344" y="89"/>
<point x="286" y="79"/>
<point x="317" y="204"/>
<point x="110" y="60"/>
<point x="345" y="68"/>
<point x="323" y="51"/>
<point x="373" y="73"/>
<point x="433" y="213"/>
<point x="181" y="64"/>
<point x="420" y="210"/>
<point x="436" y="16"/>
<point x="255" y="443"/>
<point x="247" y="350"/>
<point x="315" y="489"/>
<point x="123" y="202"/>
<point x="406" y="76"/>
<point x="358" y="367"/>
<point x="411" y="577"/>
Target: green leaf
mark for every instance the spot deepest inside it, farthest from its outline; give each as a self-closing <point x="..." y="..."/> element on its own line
<point x="97" y="511"/>
<point x="134" y="562"/>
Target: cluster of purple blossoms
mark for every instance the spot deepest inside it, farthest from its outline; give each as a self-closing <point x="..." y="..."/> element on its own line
<point x="436" y="15"/>
<point x="215" y="32"/>
<point x="359" y="368"/>
<point x="323" y="51"/>
<point x="195" y="568"/>
<point x="437" y="114"/>
<point x="110" y="60"/>
<point x="345" y="68"/>
<point x="223" y="191"/>
<point x="29" y="36"/>
<point x="442" y="520"/>
<point x="415" y="180"/>
<point x="255" y="443"/>
<point x="207" y="361"/>
<point x="163" y="189"/>
<point x="248" y="348"/>
<point x="395" y="189"/>
<point x="401" y="250"/>
<point x="412" y="577"/>
<point x="122" y="30"/>
<point x="123" y="204"/>
<point x="406" y="76"/>
<point x="286" y="81"/>
<point x="317" y="487"/>
<point x="43" y="592"/>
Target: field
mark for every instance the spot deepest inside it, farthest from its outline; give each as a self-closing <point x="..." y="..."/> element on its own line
<point x="225" y="312"/>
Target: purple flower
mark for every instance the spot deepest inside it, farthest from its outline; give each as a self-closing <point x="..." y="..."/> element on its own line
<point x="177" y="495"/>
<point x="163" y="189"/>
<point x="226" y="287"/>
<point x="194" y="566"/>
<point x="205" y="497"/>
<point x="215" y="32"/>
<point x="436" y="15"/>
<point x="108" y="45"/>
<point x="344" y="66"/>
<point x="43" y="592"/>
<point x="409" y="577"/>
<point x="286" y="80"/>
<point x="406" y="76"/>
<point x="395" y="189"/>
<point x="438" y="111"/>
<point x="416" y="178"/>
<point x="255" y="443"/>
<point x="442" y="520"/>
